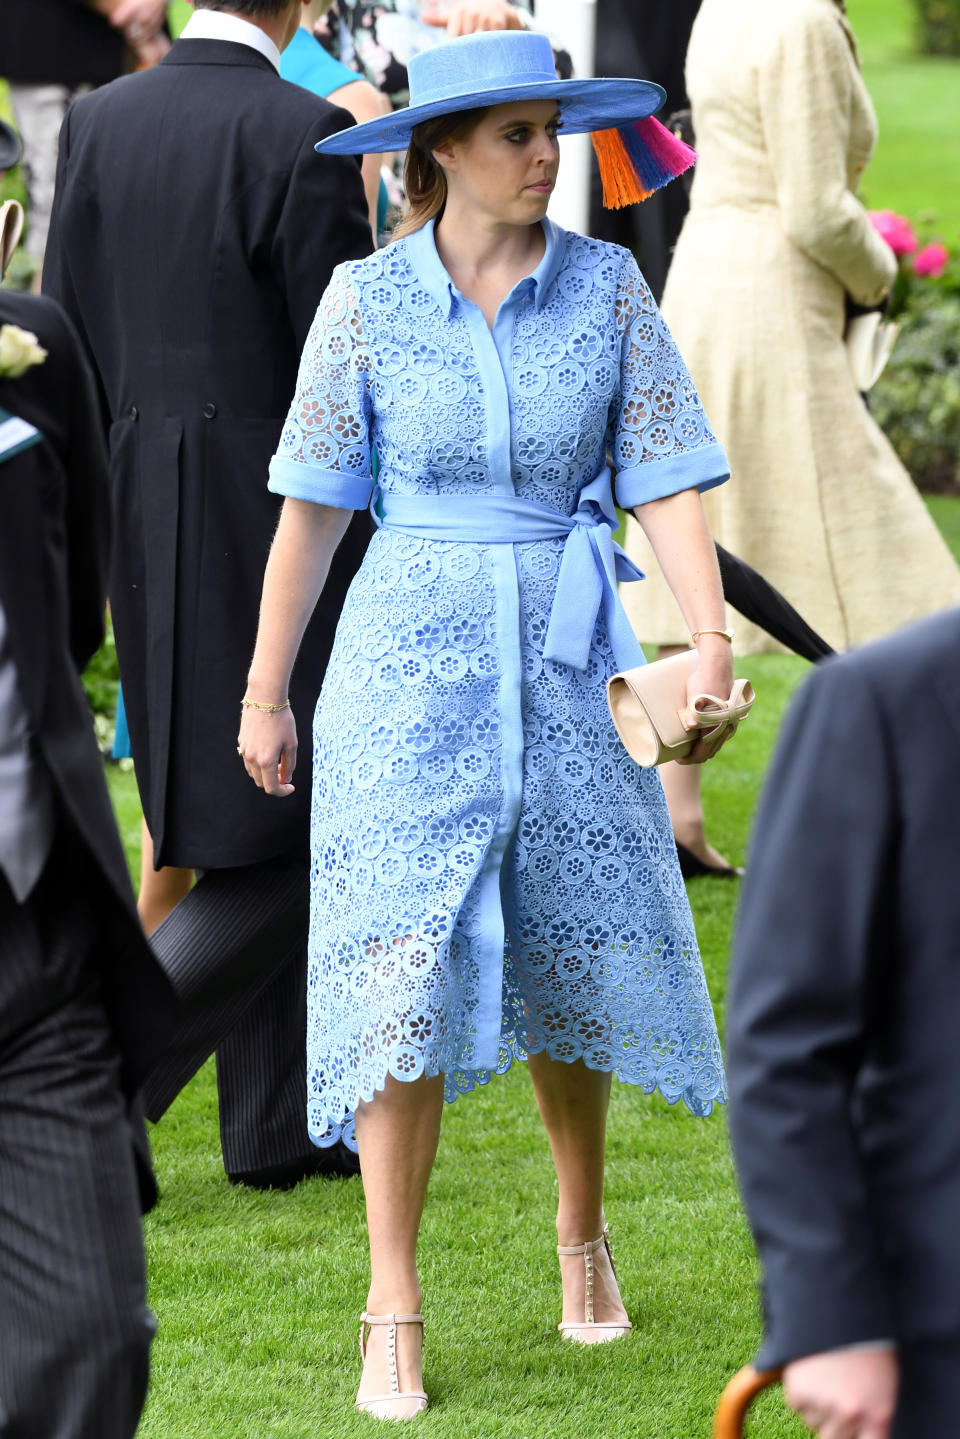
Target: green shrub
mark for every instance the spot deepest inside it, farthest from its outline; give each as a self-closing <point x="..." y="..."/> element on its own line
<point x="22" y="266"/>
<point x="177" y="15"/>
<point x="101" y="680"/>
<point x="11" y="181"/>
<point x="917" y="399"/>
<point x="938" y="26"/>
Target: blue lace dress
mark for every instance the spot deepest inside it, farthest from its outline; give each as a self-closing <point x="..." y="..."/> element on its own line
<point x="492" y="875"/>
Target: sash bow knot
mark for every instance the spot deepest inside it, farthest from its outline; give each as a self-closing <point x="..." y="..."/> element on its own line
<point x="591" y="565"/>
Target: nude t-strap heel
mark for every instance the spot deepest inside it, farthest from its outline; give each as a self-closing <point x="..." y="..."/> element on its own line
<point x="397" y="1404"/>
<point x="589" y="1331"/>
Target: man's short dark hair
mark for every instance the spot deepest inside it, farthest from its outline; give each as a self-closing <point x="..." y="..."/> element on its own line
<point x="266" y="8"/>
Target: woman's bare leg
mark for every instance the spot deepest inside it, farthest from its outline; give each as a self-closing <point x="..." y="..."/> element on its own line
<point x="397" y="1136"/>
<point x="681" y="785"/>
<point x="160" y="889"/>
<point x="573" y="1102"/>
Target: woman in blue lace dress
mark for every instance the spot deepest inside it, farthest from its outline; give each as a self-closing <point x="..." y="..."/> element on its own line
<point x="493" y="878"/>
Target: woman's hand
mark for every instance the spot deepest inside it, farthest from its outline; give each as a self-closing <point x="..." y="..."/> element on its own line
<point x="677" y="530"/>
<point x="151" y="51"/>
<point x="297" y="566"/>
<point x="713" y="676"/>
<point x="267" y="744"/>
<point x="465" y="17"/>
<point x="138" y="19"/>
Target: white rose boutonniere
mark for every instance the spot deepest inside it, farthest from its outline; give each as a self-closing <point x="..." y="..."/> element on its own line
<point x="19" y="350"/>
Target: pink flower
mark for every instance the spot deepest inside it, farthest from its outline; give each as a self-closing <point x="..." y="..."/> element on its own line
<point x="931" y="261"/>
<point x="897" y="231"/>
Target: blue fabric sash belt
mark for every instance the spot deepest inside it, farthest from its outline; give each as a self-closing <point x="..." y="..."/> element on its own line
<point x="591" y="565"/>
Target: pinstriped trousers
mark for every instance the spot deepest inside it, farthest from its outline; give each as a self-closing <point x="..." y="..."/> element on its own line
<point x="235" y="950"/>
<point x="75" y="1329"/>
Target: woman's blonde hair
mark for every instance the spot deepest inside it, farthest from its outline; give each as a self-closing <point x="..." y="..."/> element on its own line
<point x="424" y="182"/>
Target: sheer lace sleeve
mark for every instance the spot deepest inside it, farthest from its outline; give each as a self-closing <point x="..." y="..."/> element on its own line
<point x="658" y="433"/>
<point x="324" y="452"/>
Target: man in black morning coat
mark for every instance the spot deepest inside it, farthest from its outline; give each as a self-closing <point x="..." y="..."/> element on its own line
<point x="84" y="1006"/>
<point x="842" y="1035"/>
<point x="193" y="234"/>
<point x="648" y="39"/>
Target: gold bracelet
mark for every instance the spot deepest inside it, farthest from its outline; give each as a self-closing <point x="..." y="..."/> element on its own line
<point x="264" y="709"/>
<point x="727" y="634"/>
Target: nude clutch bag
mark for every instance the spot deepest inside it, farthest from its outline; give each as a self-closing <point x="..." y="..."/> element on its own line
<point x="646" y="703"/>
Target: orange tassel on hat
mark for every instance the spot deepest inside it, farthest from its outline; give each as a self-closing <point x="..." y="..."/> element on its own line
<point x="637" y="160"/>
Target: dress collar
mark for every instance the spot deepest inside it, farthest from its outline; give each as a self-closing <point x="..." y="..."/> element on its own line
<point x="214" y="25"/>
<point x="422" y="251"/>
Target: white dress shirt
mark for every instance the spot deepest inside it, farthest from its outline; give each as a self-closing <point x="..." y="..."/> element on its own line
<point x="214" y="25"/>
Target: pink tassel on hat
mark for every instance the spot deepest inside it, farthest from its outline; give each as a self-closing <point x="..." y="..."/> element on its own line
<point x="637" y="160"/>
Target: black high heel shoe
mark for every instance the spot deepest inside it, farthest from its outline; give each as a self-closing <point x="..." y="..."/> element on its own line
<point x="693" y="867"/>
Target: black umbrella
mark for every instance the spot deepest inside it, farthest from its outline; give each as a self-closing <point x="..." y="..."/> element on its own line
<point x="758" y="601"/>
<point x="9" y="146"/>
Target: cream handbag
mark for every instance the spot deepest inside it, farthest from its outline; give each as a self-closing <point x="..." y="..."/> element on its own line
<point x="11" y="228"/>
<point x="869" y="340"/>
<point x="646" y="703"/>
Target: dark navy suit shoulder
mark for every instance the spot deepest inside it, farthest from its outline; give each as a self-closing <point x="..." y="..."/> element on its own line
<point x="893" y="666"/>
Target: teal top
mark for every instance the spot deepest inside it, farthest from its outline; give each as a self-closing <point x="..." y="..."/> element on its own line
<point x="306" y="63"/>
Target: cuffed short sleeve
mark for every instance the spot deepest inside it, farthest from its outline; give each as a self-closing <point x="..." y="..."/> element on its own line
<point x="324" y="452"/>
<point x="657" y="432"/>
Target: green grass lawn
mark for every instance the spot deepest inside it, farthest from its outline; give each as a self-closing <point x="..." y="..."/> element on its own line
<point x="918" y="105"/>
<point x="258" y="1294"/>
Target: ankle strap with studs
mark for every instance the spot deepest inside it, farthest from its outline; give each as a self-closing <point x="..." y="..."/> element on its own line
<point x="588" y="1250"/>
<point x="392" y="1320"/>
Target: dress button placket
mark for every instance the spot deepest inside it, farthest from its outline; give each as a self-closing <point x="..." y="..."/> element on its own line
<point x="492" y="352"/>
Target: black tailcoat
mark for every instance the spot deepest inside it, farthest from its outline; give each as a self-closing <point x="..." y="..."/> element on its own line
<point x="194" y="232"/>
<point x="53" y="556"/>
<point x="649" y="40"/>
<point x="844" y="1011"/>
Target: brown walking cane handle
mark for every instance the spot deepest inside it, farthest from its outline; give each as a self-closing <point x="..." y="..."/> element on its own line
<point x="737" y="1398"/>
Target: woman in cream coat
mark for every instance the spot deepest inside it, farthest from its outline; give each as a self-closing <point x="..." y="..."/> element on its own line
<point x="775" y="240"/>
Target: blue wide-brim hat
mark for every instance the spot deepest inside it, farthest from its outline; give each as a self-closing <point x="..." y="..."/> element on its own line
<point x="493" y="68"/>
<point x="635" y="153"/>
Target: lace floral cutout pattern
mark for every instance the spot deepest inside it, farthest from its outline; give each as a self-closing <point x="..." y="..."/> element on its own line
<point x="492" y="875"/>
<point x="382" y="361"/>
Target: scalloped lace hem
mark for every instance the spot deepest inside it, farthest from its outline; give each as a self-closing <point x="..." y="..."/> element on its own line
<point x="340" y="1127"/>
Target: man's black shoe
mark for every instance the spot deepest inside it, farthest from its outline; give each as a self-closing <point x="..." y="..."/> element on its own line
<point x="337" y="1162"/>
